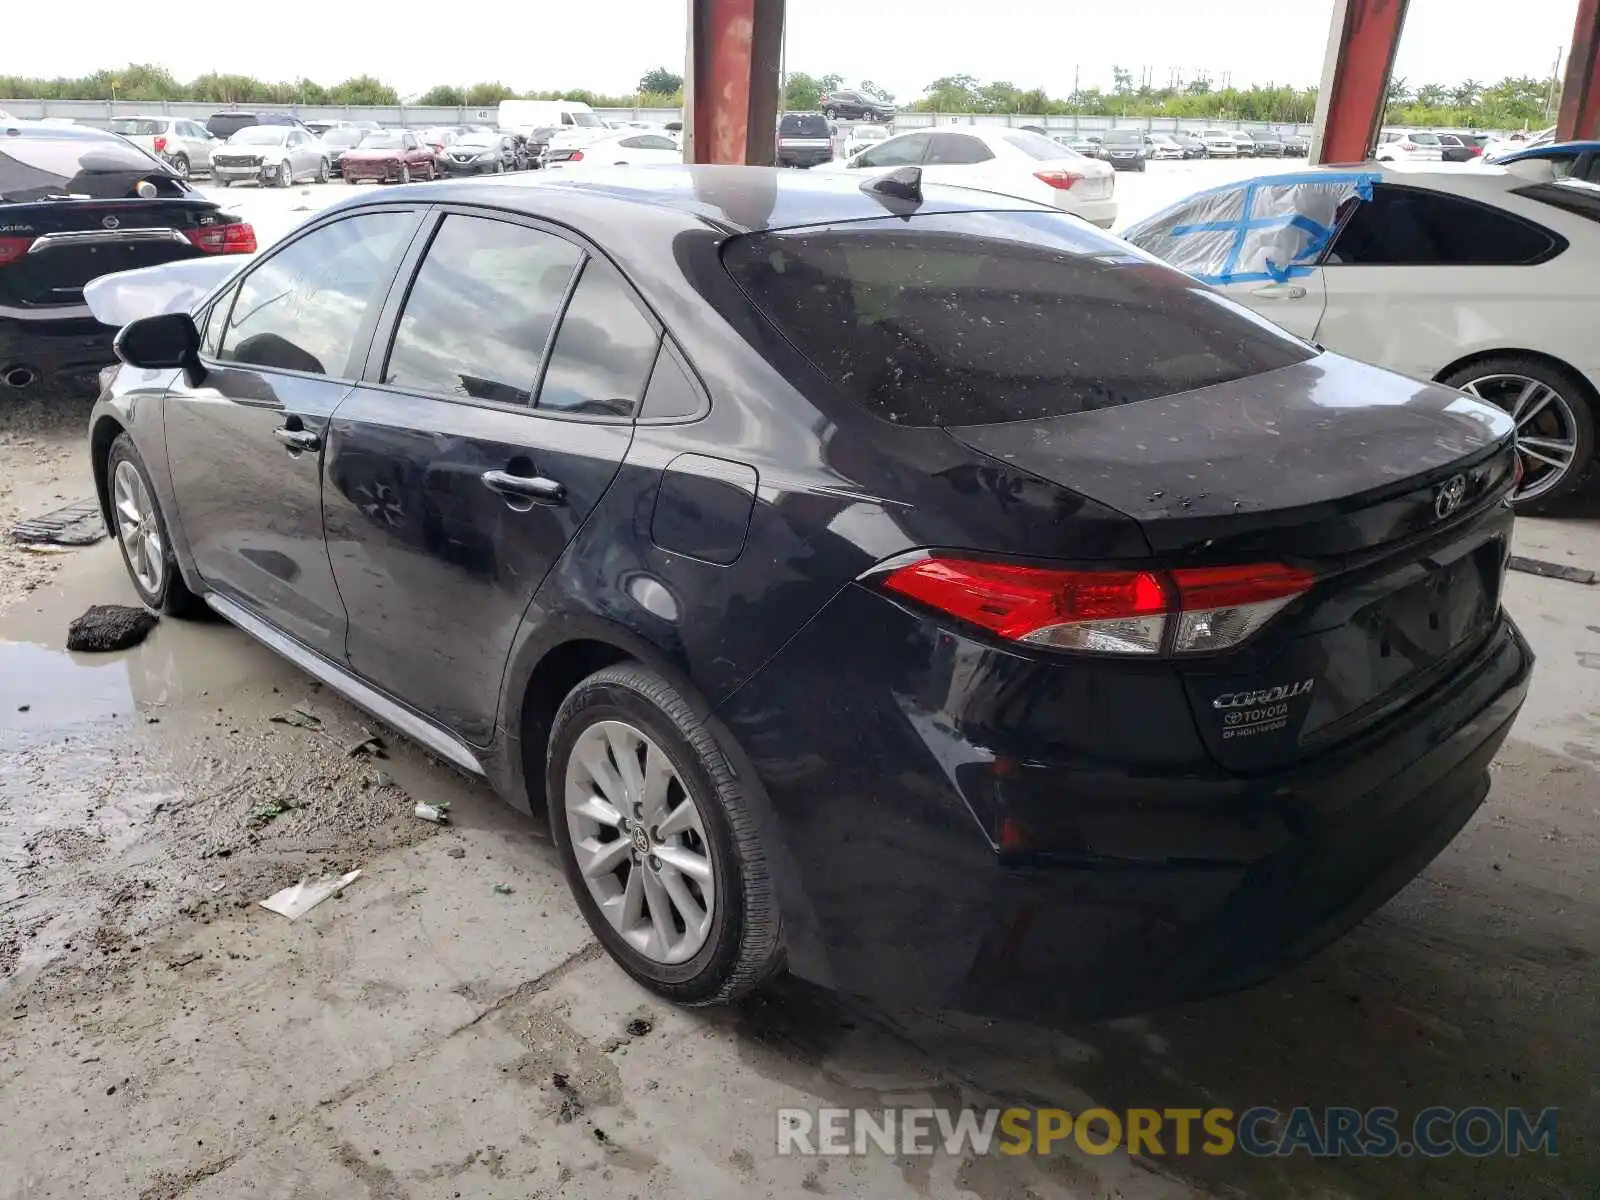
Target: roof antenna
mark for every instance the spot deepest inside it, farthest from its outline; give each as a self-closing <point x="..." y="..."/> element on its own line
<point x="902" y="184"/>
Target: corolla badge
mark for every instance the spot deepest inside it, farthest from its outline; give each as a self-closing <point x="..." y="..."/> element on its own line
<point x="1449" y="496"/>
<point x="1271" y="695"/>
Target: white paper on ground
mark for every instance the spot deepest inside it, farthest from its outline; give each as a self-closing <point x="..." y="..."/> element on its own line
<point x="302" y="897"/>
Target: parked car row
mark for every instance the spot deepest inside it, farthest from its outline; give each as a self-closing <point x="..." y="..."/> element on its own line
<point x="1130" y="149"/>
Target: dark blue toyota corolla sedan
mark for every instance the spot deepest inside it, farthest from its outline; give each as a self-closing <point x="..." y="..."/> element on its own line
<point x="912" y="588"/>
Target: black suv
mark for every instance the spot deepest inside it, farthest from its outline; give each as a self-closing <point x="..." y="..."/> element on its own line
<point x="804" y="140"/>
<point x="225" y="124"/>
<point x="75" y="204"/>
<point x="856" y="106"/>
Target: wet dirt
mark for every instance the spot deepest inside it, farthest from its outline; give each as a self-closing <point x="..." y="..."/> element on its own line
<point x="425" y="1035"/>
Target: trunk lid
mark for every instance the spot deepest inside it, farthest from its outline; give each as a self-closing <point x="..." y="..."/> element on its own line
<point x="58" y="246"/>
<point x="1389" y="490"/>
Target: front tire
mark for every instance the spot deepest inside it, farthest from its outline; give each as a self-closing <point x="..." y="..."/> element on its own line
<point x="405" y="172"/>
<point x="324" y="171"/>
<point x="1555" y="412"/>
<point x="141" y="532"/>
<point x="180" y="164"/>
<point x="285" y="174"/>
<point x="658" y="841"/>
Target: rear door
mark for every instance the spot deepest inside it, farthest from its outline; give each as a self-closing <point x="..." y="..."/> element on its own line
<point x="281" y="349"/>
<point x="479" y="443"/>
<point x="1414" y="274"/>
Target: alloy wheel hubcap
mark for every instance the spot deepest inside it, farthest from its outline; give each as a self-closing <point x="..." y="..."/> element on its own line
<point x="138" y="529"/>
<point x="1547" y="428"/>
<point x="640" y="843"/>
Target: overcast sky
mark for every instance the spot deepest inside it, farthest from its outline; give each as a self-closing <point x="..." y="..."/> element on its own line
<point x="605" y="45"/>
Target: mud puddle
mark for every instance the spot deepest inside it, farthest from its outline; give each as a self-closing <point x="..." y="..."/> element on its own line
<point x="188" y="777"/>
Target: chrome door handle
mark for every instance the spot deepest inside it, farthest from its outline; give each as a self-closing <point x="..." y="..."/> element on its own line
<point x="297" y="440"/>
<point x="524" y="487"/>
<point x="1281" y="291"/>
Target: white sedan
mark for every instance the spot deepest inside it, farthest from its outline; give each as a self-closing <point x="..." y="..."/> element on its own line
<point x="1011" y="162"/>
<point x="624" y="147"/>
<point x="1483" y="280"/>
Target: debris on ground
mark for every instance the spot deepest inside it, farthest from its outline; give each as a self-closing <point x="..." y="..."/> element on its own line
<point x="457" y="852"/>
<point x="80" y="523"/>
<point x="571" y="1107"/>
<point x="264" y="814"/>
<point x="640" y="1026"/>
<point x="295" y="901"/>
<point x="1550" y="570"/>
<point x="503" y="889"/>
<point x="437" y="813"/>
<point x="105" y="627"/>
<point x="371" y="744"/>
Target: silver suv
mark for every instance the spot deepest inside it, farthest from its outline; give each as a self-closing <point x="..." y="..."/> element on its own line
<point x="185" y="146"/>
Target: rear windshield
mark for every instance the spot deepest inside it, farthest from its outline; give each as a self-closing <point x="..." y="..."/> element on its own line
<point x="138" y="126"/>
<point x="796" y="125"/>
<point x="101" y="168"/>
<point x="977" y="318"/>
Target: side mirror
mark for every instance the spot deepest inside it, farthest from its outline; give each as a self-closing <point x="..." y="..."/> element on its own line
<point x="161" y="342"/>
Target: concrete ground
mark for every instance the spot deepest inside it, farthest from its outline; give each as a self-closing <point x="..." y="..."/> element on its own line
<point x="431" y="1034"/>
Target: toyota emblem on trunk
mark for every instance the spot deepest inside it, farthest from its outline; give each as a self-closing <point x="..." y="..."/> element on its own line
<point x="111" y="222"/>
<point x="1449" y="496"/>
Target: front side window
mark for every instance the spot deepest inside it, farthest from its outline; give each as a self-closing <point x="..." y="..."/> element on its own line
<point x="956" y="149"/>
<point x="302" y="308"/>
<point x="603" y="352"/>
<point x="896" y="152"/>
<point x="479" y="314"/>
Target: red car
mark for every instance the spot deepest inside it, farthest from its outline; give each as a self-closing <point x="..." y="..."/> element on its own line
<point x="389" y="157"/>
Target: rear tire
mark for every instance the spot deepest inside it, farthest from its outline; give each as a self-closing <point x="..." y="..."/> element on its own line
<point x="135" y="520"/>
<point x="1569" y="416"/>
<point x="405" y="172"/>
<point x="285" y="174"/>
<point x="180" y="164"/>
<point x="630" y="706"/>
<point x="324" y="171"/>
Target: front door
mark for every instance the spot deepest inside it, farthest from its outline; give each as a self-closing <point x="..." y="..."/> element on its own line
<point x="281" y="349"/>
<point x="454" y="477"/>
<point x="1295" y="304"/>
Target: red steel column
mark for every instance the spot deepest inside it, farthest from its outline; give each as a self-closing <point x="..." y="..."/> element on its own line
<point x="1580" y="90"/>
<point x="731" y="81"/>
<point x="1355" y="76"/>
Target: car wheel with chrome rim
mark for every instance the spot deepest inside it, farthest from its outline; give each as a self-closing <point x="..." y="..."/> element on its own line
<point x="141" y="533"/>
<point x="658" y="839"/>
<point x="1554" y="412"/>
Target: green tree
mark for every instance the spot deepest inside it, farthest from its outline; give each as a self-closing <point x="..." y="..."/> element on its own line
<point x="1432" y="95"/>
<point x="801" y="91"/>
<point x="873" y="89"/>
<point x="363" y="90"/>
<point x="1466" y="93"/>
<point x="486" y="95"/>
<point x="951" y="93"/>
<point x="1398" y="91"/>
<point x="831" y="82"/>
<point x="1122" y="81"/>
<point x="443" y="96"/>
<point x="660" y="82"/>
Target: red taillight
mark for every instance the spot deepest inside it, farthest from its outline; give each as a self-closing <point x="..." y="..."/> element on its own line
<point x="161" y="143"/>
<point x="237" y="238"/>
<point x="576" y="155"/>
<point x="1187" y="610"/>
<point x="13" y="248"/>
<point x="1057" y="179"/>
<point x="1408" y="145"/>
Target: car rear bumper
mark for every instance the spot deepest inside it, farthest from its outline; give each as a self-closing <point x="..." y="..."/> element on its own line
<point x="61" y="353"/>
<point x="1090" y="869"/>
<point x="804" y="158"/>
<point x="1097" y="212"/>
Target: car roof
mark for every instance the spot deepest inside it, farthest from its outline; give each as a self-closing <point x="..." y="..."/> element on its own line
<point x="1550" y="148"/>
<point x="733" y="199"/>
<point x="36" y="129"/>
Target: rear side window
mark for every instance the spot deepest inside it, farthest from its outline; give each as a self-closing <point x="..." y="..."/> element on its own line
<point x="480" y="312"/>
<point x="603" y="352"/>
<point x="974" y="318"/>
<point x="101" y="168"/>
<point x="1037" y="146"/>
<point x="302" y="309"/>
<point x="1412" y="227"/>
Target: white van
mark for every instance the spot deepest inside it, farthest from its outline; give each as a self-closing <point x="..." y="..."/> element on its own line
<point x="524" y="116"/>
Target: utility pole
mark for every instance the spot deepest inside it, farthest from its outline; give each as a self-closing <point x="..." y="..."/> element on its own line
<point x="1555" y="75"/>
